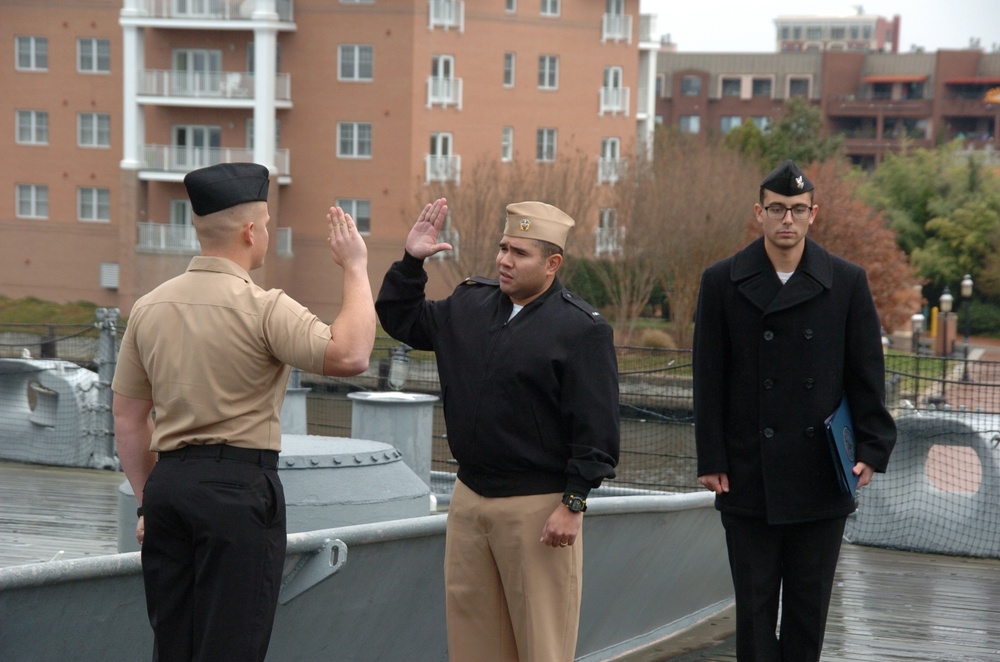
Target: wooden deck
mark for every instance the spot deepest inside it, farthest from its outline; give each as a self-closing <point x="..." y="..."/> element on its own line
<point x="887" y="606"/>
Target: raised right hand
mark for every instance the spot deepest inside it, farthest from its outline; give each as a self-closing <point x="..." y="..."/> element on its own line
<point x="346" y="244"/>
<point x="422" y="242"/>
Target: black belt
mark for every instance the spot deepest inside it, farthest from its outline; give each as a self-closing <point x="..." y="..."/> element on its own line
<point x="224" y="452"/>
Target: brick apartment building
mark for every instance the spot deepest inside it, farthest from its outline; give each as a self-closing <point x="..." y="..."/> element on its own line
<point x="879" y="102"/>
<point x="359" y="103"/>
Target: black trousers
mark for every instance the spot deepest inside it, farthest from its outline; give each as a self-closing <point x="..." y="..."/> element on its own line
<point x="212" y="556"/>
<point x="793" y="563"/>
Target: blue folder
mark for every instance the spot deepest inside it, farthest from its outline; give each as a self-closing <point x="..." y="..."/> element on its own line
<point x="840" y="433"/>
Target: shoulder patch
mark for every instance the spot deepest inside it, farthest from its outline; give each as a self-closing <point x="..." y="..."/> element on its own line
<point x="582" y="305"/>
<point x="481" y="280"/>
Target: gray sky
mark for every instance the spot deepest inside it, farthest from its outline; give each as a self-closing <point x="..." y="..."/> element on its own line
<point x="748" y="25"/>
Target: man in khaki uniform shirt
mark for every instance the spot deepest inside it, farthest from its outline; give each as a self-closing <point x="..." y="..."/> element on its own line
<point x="209" y="352"/>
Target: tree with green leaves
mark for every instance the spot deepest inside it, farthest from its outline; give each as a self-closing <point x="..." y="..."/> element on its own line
<point x="799" y="134"/>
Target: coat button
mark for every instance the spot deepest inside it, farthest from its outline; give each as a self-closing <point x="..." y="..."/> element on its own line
<point x="768" y="383"/>
<point x="810" y="432"/>
<point x="810" y="382"/>
<point x="808" y="334"/>
<point x="768" y="335"/>
<point x="768" y="433"/>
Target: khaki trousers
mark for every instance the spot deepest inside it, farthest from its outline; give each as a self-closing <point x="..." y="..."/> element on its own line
<point x="508" y="596"/>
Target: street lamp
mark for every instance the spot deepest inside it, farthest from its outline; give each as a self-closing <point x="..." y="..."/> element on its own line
<point x="917" y="326"/>
<point x="945" y="306"/>
<point x="966" y="290"/>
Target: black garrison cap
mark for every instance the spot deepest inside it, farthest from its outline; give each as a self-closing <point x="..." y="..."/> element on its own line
<point x="787" y="179"/>
<point x="225" y="185"/>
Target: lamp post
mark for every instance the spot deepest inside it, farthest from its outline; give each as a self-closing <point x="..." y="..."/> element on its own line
<point x="966" y="290"/>
<point x="945" y="306"/>
<point x="917" y="326"/>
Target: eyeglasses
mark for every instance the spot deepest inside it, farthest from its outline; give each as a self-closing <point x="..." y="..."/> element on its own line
<point x="777" y="212"/>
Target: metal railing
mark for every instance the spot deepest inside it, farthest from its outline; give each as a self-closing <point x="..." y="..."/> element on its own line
<point x="172" y="83"/>
<point x="183" y="159"/>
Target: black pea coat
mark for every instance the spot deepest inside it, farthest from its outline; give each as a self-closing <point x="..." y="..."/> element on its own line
<point x="771" y="362"/>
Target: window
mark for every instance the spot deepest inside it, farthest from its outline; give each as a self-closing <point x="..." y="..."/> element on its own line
<point x="690" y="86"/>
<point x="32" y="54"/>
<point x="798" y="87"/>
<point x="609" y="161"/>
<point x="93" y="55"/>
<point x="196" y="70"/>
<point x="195" y="146"/>
<point x="814" y="32"/>
<point x="32" y="201"/>
<point x="838" y="33"/>
<point x="180" y="213"/>
<point x="797" y="33"/>
<point x="866" y="32"/>
<point x="761" y="122"/>
<point x="854" y="32"/>
<point x="550" y="7"/>
<point x="784" y="32"/>
<point x="93" y="130"/>
<point x="32" y="127"/>
<point x="93" y="204"/>
<point x="548" y="72"/>
<point x="730" y="87"/>
<point x="443" y="87"/>
<point x="441" y="165"/>
<point x="609" y="237"/>
<point x="355" y="62"/>
<point x="545" y="150"/>
<point x="761" y="87"/>
<point x="729" y="122"/>
<point x="511" y="6"/>
<point x="690" y="123"/>
<point x="507" y="143"/>
<point x="360" y="210"/>
<point x="354" y="140"/>
<point x="508" y="70"/>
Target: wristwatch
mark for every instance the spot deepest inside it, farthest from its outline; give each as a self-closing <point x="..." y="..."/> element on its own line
<point x="574" y="503"/>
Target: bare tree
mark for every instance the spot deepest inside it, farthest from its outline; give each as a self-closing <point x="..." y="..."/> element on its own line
<point x="477" y="205"/>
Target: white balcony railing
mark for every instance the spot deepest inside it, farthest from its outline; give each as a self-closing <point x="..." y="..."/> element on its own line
<point x="616" y="27"/>
<point x="614" y="100"/>
<point x="446" y="14"/>
<point x="608" y="241"/>
<point x="647" y="28"/>
<point x="444" y="92"/>
<point x="174" y="158"/>
<point x="168" y="237"/>
<point x="442" y="168"/>
<point x="211" y="85"/>
<point x="227" y="10"/>
<point x="610" y="171"/>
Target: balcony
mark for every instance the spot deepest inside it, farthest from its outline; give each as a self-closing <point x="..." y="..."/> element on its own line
<point x="173" y="238"/>
<point x="172" y="162"/>
<point x="167" y="238"/>
<point x="647" y="31"/>
<point x="616" y="27"/>
<point x="446" y="14"/>
<point x="444" y="92"/>
<point x="851" y="106"/>
<point x="207" y="10"/>
<point x="442" y="168"/>
<point x="609" y="171"/>
<point x="959" y="107"/>
<point x="609" y="242"/>
<point x="614" y="101"/>
<point x="232" y="89"/>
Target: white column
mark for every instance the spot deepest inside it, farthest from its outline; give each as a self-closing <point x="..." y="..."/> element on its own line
<point x="133" y="59"/>
<point x="265" y="55"/>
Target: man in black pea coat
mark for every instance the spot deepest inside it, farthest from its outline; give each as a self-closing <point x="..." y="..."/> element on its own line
<point x="783" y="330"/>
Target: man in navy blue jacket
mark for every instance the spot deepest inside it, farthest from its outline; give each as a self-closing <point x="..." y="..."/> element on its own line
<point x="783" y="330"/>
<point x="530" y="386"/>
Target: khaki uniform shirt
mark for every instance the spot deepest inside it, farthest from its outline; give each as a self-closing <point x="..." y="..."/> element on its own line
<point x="212" y="351"/>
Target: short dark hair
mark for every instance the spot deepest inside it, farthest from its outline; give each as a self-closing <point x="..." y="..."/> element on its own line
<point x="548" y="248"/>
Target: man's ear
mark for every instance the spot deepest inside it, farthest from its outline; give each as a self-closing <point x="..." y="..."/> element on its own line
<point x="553" y="262"/>
<point x="248" y="233"/>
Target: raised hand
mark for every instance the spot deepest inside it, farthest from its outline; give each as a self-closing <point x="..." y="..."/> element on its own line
<point x="346" y="244"/>
<point x="422" y="242"/>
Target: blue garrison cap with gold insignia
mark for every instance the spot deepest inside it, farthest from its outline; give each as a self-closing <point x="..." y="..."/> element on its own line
<point x="225" y="185"/>
<point x="787" y="179"/>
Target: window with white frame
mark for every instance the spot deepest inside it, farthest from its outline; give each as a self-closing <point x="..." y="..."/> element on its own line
<point x="93" y="129"/>
<point x="32" y="54"/>
<point x="355" y="62"/>
<point x="443" y="87"/>
<point x="609" y="161"/>
<point x="196" y="70"/>
<point x="613" y="94"/>
<point x="180" y="212"/>
<point x="548" y="72"/>
<point x="609" y="237"/>
<point x="690" y="86"/>
<point x="32" y="201"/>
<point x="762" y="122"/>
<point x="93" y="56"/>
<point x="354" y="140"/>
<point x="442" y="166"/>
<point x="32" y="127"/>
<point x="360" y="210"/>
<point x="508" y="69"/>
<point x="690" y="123"/>
<point x="731" y="87"/>
<point x="93" y="204"/>
<point x="550" y="7"/>
<point x="195" y="146"/>
<point x="545" y="148"/>
<point x="729" y="122"/>
<point x="761" y="87"/>
<point x="507" y="143"/>
<point x="511" y="6"/>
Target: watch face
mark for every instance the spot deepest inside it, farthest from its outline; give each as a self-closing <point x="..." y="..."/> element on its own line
<point x="574" y="503"/>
